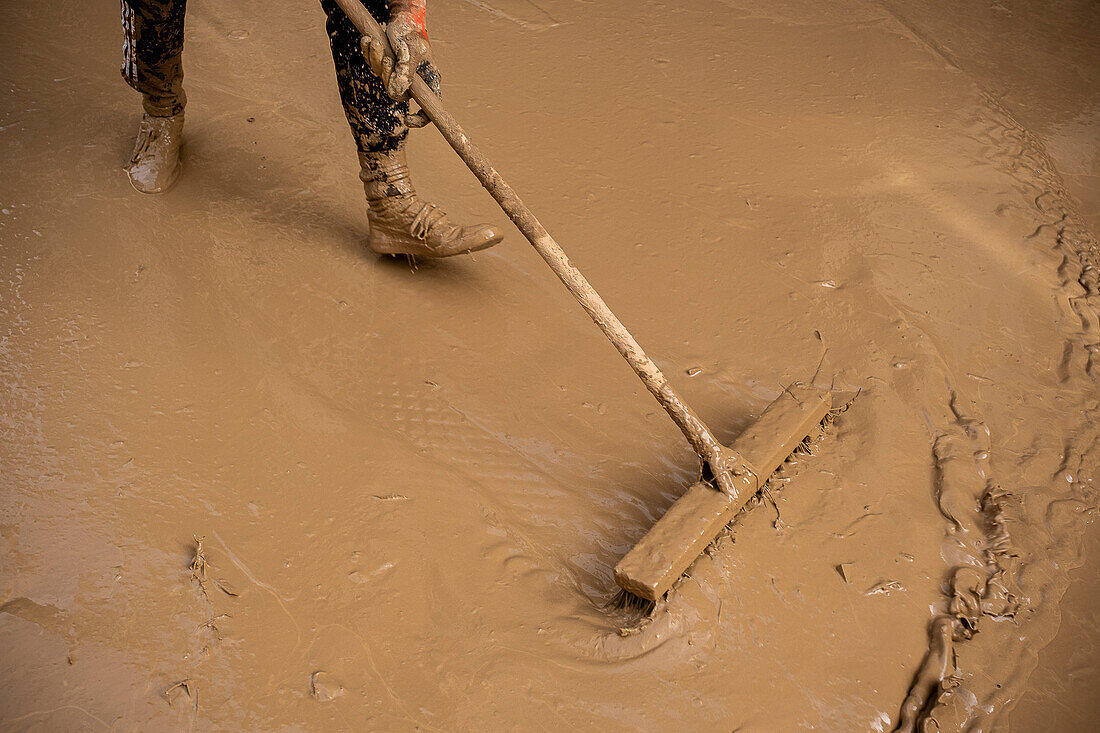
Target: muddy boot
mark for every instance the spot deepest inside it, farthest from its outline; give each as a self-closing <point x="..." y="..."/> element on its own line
<point x="402" y="224"/>
<point x="155" y="164"/>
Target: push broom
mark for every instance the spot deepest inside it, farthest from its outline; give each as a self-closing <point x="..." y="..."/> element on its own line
<point x="736" y="472"/>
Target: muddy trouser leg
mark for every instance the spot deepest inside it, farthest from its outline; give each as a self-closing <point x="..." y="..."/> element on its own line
<point x="377" y="122"/>
<point x="152" y="53"/>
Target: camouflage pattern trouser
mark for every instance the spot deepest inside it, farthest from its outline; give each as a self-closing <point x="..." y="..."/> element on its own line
<point x="153" y="48"/>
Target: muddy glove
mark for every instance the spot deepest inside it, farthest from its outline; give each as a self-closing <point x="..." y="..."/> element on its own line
<point x="409" y="52"/>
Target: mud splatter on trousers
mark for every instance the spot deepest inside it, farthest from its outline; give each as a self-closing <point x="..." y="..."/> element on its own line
<point x="152" y="64"/>
<point x="152" y="51"/>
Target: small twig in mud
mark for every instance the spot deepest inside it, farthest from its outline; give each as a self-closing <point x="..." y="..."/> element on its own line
<point x="844" y="408"/>
<point x="184" y="685"/>
<point x="199" y="572"/>
<point x="767" y="494"/>
<point x="212" y="624"/>
<point x="884" y="588"/>
<point x="389" y="497"/>
<point x="821" y="363"/>
<point x="788" y="391"/>
<point x="198" y="566"/>
<point x="225" y="587"/>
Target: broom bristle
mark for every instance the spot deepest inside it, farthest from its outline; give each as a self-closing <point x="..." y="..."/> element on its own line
<point x="624" y="600"/>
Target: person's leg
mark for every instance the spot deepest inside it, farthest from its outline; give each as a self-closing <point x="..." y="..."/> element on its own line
<point x="152" y="53"/>
<point x="400" y="222"/>
<point x="377" y="122"/>
<point x="152" y="64"/>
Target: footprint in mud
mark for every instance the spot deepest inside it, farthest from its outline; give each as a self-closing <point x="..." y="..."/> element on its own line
<point x="427" y="419"/>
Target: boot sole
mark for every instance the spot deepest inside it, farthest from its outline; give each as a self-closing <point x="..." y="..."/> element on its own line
<point x="426" y="252"/>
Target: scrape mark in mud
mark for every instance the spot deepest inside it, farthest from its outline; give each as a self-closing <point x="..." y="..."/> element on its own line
<point x="985" y="579"/>
<point x="975" y="590"/>
<point x="979" y="510"/>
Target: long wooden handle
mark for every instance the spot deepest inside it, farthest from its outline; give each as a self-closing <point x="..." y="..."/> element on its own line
<point x="697" y="433"/>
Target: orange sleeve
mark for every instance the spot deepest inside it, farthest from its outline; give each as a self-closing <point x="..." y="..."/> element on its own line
<point x="416" y="10"/>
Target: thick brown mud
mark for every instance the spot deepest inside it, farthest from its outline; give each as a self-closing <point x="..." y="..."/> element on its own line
<point x="254" y="477"/>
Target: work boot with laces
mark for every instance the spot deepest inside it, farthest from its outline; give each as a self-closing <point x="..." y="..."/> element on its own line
<point x="402" y="224"/>
<point x="155" y="163"/>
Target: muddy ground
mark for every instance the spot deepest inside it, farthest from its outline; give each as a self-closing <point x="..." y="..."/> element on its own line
<point x="411" y="483"/>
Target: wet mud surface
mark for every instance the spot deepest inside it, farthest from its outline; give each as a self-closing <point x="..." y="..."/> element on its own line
<point x="254" y="477"/>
